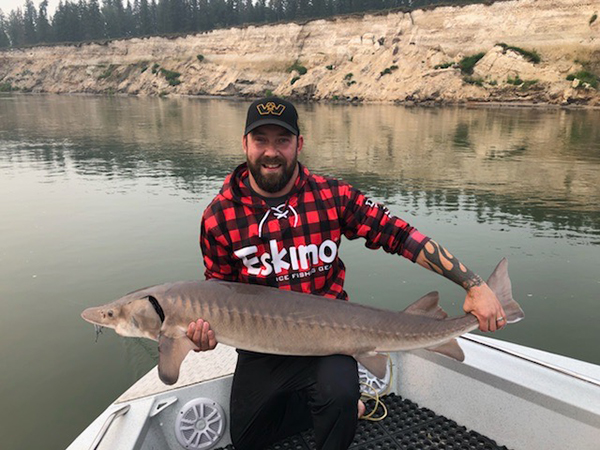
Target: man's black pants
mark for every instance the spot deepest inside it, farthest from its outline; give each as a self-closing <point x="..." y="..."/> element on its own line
<point x="273" y="397"/>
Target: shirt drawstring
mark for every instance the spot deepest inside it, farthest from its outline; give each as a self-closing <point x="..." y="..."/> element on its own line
<point x="280" y="213"/>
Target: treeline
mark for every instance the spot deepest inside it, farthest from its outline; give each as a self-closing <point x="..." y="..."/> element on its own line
<point x="88" y="20"/>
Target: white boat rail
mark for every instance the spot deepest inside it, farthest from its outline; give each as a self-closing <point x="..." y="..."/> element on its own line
<point x="116" y="413"/>
<point x="533" y="360"/>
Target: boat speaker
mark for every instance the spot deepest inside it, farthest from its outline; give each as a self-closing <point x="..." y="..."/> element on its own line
<point x="370" y="384"/>
<point x="200" y="424"/>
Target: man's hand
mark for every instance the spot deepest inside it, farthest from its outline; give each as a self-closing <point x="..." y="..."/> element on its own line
<point x="199" y="333"/>
<point x="483" y="304"/>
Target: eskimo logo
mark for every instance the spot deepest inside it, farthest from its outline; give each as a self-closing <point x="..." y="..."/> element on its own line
<point x="270" y="108"/>
<point x="298" y="258"/>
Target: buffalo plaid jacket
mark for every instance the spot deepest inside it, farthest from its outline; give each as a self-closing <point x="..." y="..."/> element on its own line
<point x="295" y="245"/>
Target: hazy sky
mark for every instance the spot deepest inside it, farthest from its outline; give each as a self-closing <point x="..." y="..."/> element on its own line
<point x="8" y="5"/>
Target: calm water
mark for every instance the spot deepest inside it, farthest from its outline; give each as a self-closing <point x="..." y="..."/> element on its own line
<point x="100" y="196"/>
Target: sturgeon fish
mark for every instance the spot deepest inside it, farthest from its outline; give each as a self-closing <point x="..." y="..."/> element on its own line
<point x="270" y="320"/>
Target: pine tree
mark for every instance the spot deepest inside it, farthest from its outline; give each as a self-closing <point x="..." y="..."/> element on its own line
<point x="217" y="15"/>
<point x="163" y="18"/>
<point x="4" y="41"/>
<point x="260" y="11"/>
<point x="42" y="24"/>
<point x="94" y="22"/>
<point x="16" y="28"/>
<point x="29" y="19"/>
<point x="204" y="18"/>
<point x="154" y="17"/>
<point x="128" y="21"/>
<point x="114" y="15"/>
<point x="144" y="19"/>
<point x="177" y="15"/>
<point x="277" y="10"/>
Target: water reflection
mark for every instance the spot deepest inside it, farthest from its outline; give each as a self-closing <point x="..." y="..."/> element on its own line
<point x="103" y="195"/>
<point x="510" y="166"/>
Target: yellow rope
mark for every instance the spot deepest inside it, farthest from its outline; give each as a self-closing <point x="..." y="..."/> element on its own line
<point x="375" y="397"/>
<point x="378" y="402"/>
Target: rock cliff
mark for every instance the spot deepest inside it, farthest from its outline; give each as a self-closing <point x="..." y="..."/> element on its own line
<point x="393" y="57"/>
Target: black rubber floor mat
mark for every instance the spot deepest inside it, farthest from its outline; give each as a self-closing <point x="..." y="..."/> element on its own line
<point x="406" y="427"/>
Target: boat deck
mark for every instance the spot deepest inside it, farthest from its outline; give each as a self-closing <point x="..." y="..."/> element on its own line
<point x="405" y="427"/>
<point x="521" y="397"/>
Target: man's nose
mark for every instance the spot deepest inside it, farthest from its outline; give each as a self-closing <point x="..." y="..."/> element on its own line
<point x="271" y="149"/>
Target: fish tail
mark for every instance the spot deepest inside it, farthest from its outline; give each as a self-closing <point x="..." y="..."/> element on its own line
<point x="499" y="282"/>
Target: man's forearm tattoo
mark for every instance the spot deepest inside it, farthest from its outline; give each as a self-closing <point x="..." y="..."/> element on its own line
<point x="441" y="261"/>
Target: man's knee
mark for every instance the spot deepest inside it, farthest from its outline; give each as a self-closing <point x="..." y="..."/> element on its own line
<point x="337" y="378"/>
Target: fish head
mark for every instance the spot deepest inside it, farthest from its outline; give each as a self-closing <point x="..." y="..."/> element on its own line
<point x="130" y="316"/>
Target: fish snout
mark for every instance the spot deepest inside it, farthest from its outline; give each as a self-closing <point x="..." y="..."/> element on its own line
<point x="98" y="315"/>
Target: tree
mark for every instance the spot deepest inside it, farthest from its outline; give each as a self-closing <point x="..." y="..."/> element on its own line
<point x="204" y="18"/>
<point x="144" y="19"/>
<point x="163" y="16"/>
<point x="113" y="13"/>
<point x="277" y="10"/>
<point x="93" y="22"/>
<point x="128" y="21"/>
<point x="29" y="19"/>
<point x="260" y="11"/>
<point x="177" y="12"/>
<point x="4" y="41"/>
<point x="16" y="28"/>
<point x="66" y="23"/>
<point x="154" y="16"/>
<point x="42" y="24"/>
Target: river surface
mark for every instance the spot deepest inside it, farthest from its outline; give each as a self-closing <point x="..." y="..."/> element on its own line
<point x="101" y="196"/>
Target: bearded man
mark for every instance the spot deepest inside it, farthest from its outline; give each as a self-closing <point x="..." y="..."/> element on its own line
<point x="277" y="224"/>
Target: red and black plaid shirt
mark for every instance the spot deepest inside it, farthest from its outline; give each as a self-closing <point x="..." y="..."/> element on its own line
<point x="295" y="246"/>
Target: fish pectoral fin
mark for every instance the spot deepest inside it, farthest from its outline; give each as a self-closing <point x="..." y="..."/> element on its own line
<point x="374" y="362"/>
<point x="450" y="349"/>
<point x="171" y="353"/>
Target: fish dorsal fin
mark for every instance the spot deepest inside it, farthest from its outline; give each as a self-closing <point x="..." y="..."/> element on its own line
<point x="450" y="349"/>
<point x="427" y="306"/>
<point x="171" y="353"/>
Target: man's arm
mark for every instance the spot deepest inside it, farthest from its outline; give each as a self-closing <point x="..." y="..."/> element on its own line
<point x="362" y="217"/>
<point x="480" y="300"/>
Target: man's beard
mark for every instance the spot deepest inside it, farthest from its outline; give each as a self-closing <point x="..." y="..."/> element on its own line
<point x="274" y="182"/>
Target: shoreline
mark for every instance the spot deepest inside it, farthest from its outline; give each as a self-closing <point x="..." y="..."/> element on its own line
<point x="407" y="104"/>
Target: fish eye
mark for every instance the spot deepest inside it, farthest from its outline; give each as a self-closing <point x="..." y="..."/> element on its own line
<point x="110" y="314"/>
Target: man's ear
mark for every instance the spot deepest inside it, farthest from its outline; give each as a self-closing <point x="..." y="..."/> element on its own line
<point x="245" y="143"/>
<point x="300" y="143"/>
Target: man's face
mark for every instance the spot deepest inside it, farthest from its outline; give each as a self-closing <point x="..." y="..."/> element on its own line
<point x="272" y="156"/>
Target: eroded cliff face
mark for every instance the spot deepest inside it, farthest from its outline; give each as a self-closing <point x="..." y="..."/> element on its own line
<point x="394" y="57"/>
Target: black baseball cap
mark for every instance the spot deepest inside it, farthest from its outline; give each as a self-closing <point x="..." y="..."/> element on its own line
<point x="272" y="111"/>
